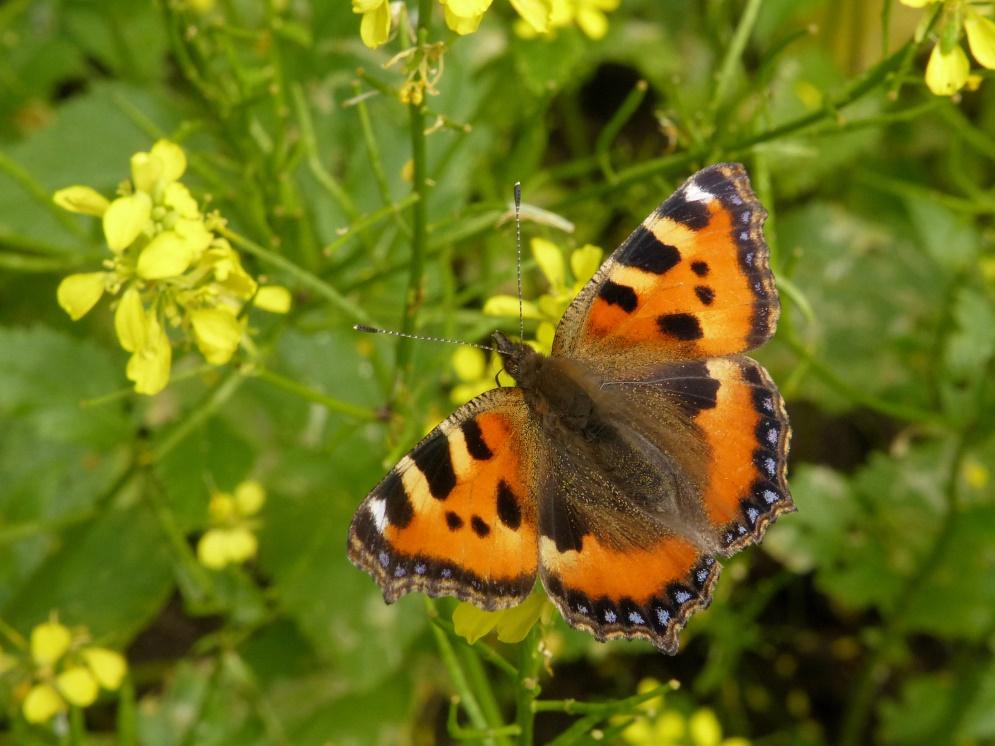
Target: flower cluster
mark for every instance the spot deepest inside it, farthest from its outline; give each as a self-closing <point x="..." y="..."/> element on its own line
<point x="548" y="309"/>
<point x="477" y="372"/>
<point x="60" y="668"/>
<point x="949" y="69"/>
<point x="660" y="726"/>
<point x="462" y="16"/>
<point x="590" y="16"/>
<point x="169" y="266"/>
<point x="231" y="539"/>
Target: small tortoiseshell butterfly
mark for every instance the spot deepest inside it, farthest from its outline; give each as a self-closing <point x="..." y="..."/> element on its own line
<point x="621" y="466"/>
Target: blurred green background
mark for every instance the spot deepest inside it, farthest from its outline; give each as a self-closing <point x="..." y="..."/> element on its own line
<point x="867" y="616"/>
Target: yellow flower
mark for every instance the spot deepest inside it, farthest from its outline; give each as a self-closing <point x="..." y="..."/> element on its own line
<point x="374" y="28"/>
<point x="947" y="73"/>
<point x="49" y="642"/>
<point x="61" y="670"/>
<point x="173" y="268"/>
<point x="590" y="16"/>
<point x="549" y="308"/>
<point x="42" y="704"/>
<point x="230" y="539"/>
<point x="949" y="69"/>
<point x="512" y="624"/>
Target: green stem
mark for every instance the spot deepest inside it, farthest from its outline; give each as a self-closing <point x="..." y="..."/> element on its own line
<point x="619" y="119"/>
<point x="306" y="278"/>
<point x="456" y="675"/>
<point x="733" y="54"/>
<point x="77" y="726"/>
<point x="530" y="661"/>
<point x="419" y="214"/>
<point x="309" y="394"/>
<point x="201" y="414"/>
<point x="369" y="220"/>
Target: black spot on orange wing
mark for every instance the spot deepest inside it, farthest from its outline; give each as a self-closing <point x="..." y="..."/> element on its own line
<point x="479" y="526"/>
<point x="453" y="521"/>
<point x="475" y="443"/>
<point x="705" y="294"/>
<point x="645" y="251"/>
<point x="699" y="268"/>
<point x="692" y="213"/>
<point x="508" y="509"/>
<point x="399" y="508"/>
<point x="619" y="295"/>
<point x="433" y="459"/>
<point x="682" y="326"/>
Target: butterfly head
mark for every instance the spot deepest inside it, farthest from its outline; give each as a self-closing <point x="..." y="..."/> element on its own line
<point x="521" y="362"/>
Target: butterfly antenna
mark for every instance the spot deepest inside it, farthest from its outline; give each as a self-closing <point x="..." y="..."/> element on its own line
<point x="518" y="257"/>
<point x="377" y="330"/>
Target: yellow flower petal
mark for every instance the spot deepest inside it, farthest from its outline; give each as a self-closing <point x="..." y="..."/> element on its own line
<point x="462" y="25"/>
<point x="242" y="544"/>
<point x="108" y="666"/>
<point x="670" y="727"/>
<point x="273" y="298"/>
<point x="365" y="6"/>
<point x="249" y="497"/>
<point x="535" y="12"/>
<point x="217" y="333"/>
<point x="544" y="336"/>
<point x="592" y="22"/>
<point x="981" y="38"/>
<point x="947" y="73"/>
<point x="212" y="549"/>
<point x="149" y="365"/>
<point x="78" y="685"/>
<point x="374" y="29"/>
<point x="221" y="507"/>
<point x="177" y="197"/>
<point x="194" y="234"/>
<point x="167" y="255"/>
<point x="42" y="704"/>
<point x="472" y="623"/>
<point x="77" y="294"/>
<point x="514" y="624"/>
<point x="469" y="363"/>
<point x="584" y="262"/>
<point x="507" y="305"/>
<point x="49" y="642"/>
<point x="172" y="157"/>
<point x="704" y="728"/>
<point x="550" y="260"/>
<point x="468" y="8"/>
<point x="125" y="218"/>
<point x="81" y="199"/>
<point x="919" y="3"/>
<point x="146" y="170"/>
<point x="130" y="321"/>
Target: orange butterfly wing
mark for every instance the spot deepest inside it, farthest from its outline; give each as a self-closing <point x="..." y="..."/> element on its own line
<point x="456" y="517"/>
<point x="691" y="282"/>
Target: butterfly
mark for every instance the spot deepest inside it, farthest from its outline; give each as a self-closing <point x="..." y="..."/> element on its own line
<point x="624" y="465"/>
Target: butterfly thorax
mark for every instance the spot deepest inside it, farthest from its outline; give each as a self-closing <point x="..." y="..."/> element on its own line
<point x="556" y="390"/>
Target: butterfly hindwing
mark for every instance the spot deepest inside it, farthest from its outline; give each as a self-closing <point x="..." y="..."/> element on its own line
<point x="455" y="516"/>
<point x="691" y="282"/>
